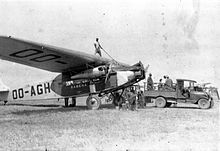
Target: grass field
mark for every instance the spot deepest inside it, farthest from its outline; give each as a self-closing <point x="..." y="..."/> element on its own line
<point x="46" y="125"/>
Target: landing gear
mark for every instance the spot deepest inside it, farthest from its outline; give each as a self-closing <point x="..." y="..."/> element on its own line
<point x="73" y="102"/>
<point x="93" y="102"/>
<point x="67" y="102"/>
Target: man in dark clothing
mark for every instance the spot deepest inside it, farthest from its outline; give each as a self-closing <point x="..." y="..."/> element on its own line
<point x="160" y="85"/>
<point x="150" y="83"/>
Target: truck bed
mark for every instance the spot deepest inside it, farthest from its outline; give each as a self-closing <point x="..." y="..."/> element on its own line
<point x="157" y="93"/>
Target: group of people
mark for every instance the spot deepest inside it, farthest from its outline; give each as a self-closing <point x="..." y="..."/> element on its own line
<point x="168" y="84"/>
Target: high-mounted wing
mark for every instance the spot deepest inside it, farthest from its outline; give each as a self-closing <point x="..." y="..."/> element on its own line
<point x="47" y="57"/>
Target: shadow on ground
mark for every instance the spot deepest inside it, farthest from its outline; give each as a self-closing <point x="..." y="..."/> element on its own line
<point x="55" y="109"/>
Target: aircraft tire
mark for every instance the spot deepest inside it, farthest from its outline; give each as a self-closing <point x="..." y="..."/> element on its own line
<point x="160" y="102"/>
<point x="93" y="102"/>
<point x="204" y="104"/>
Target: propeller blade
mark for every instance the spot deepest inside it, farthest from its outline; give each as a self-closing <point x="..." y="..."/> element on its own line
<point x="108" y="72"/>
<point x="146" y="68"/>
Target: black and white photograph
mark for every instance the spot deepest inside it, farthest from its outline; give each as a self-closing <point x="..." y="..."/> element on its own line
<point x="109" y="75"/>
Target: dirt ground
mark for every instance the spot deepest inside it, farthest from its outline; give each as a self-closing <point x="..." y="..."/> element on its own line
<point x="47" y="125"/>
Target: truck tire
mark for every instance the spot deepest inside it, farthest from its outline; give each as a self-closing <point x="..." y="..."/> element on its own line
<point x="93" y="102"/>
<point x="204" y="103"/>
<point x="160" y="102"/>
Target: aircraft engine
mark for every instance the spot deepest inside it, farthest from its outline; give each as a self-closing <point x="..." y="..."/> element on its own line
<point x="91" y="73"/>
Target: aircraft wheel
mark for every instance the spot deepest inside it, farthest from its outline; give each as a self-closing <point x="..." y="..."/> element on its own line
<point x="160" y="102"/>
<point x="93" y="102"/>
<point x="204" y="104"/>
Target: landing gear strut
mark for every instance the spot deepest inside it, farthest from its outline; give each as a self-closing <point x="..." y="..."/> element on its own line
<point x="73" y="102"/>
<point x="67" y="102"/>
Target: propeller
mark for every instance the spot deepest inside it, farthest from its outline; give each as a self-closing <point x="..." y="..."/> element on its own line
<point x="146" y="69"/>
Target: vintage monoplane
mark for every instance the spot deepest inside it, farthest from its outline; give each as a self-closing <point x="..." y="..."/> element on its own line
<point x="81" y="73"/>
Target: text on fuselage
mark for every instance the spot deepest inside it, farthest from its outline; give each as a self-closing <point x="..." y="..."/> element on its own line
<point x="33" y="91"/>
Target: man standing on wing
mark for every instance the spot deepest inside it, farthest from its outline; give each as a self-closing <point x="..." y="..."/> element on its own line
<point x="98" y="47"/>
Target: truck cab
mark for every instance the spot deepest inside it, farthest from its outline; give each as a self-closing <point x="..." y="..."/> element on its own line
<point x="183" y="91"/>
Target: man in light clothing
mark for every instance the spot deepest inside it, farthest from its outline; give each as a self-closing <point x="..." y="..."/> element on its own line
<point x="169" y="82"/>
<point x="98" y="47"/>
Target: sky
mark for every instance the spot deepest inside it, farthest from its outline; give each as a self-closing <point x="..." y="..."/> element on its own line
<point x="179" y="38"/>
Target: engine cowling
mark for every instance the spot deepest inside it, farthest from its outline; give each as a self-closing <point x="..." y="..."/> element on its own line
<point x="91" y="73"/>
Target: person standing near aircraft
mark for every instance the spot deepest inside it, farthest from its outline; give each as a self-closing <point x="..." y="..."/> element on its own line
<point x="98" y="47"/>
<point x="169" y="82"/>
<point x="160" y="85"/>
<point x="150" y="83"/>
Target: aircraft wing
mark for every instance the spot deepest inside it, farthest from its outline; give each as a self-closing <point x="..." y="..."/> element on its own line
<point x="47" y="57"/>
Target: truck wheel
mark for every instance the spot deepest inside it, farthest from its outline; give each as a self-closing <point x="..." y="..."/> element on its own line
<point x="204" y="103"/>
<point x="93" y="102"/>
<point x="160" y="102"/>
